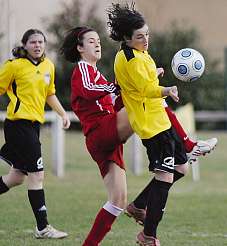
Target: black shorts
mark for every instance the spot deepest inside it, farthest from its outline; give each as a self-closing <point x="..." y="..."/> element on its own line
<point x="165" y="151"/>
<point x="22" y="148"/>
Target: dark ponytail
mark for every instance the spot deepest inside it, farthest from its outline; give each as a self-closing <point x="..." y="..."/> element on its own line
<point x="19" y="52"/>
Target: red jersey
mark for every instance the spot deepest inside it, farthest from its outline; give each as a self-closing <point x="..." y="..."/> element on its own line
<point x="90" y="95"/>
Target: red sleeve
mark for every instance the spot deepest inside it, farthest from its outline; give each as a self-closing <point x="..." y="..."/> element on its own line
<point x="91" y="85"/>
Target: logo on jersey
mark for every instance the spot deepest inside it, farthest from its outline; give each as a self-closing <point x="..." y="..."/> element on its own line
<point x="40" y="163"/>
<point x="185" y="138"/>
<point x="168" y="162"/>
<point x="47" y="78"/>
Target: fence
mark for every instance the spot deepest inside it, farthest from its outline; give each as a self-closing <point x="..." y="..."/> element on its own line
<point x="58" y="142"/>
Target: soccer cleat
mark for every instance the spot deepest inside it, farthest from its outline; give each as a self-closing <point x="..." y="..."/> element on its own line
<point x="201" y="148"/>
<point x="144" y="240"/>
<point x="136" y="213"/>
<point x="49" y="232"/>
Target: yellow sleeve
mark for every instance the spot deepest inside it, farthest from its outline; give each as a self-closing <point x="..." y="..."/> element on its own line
<point x="51" y="89"/>
<point x="144" y="79"/>
<point x="6" y="76"/>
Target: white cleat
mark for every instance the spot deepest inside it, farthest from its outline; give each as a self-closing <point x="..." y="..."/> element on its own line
<point x="49" y="232"/>
<point x="201" y="148"/>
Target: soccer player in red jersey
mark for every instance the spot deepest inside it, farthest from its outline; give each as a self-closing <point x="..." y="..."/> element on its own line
<point x="104" y="128"/>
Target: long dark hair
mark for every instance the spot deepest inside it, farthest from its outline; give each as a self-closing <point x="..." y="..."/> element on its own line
<point x="123" y="20"/>
<point x="73" y="38"/>
<point x="19" y="51"/>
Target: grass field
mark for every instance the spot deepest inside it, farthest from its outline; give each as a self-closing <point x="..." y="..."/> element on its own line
<point x="195" y="214"/>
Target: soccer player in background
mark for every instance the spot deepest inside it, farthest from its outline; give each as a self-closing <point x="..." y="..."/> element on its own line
<point x="137" y="76"/>
<point x="29" y="82"/>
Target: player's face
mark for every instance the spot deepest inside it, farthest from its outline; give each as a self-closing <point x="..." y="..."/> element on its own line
<point x="35" y="46"/>
<point x="140" y="39"/>
<point x="91" y="49"/>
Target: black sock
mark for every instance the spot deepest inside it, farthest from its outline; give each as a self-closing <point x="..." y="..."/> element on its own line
<point x="155" y="206"/>
<point x="3" y="186"/>
<point x="141" y="199"/>
<point x="37" y="201"/>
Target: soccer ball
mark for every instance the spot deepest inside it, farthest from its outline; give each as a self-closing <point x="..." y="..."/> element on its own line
<point x="188" y="65"/>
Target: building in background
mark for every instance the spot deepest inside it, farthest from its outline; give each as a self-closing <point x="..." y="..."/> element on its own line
<point x="207" y="16"/>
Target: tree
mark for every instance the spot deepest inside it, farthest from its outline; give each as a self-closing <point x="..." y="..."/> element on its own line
<point x="207" y="93"/>
<point x="71" y="15"/>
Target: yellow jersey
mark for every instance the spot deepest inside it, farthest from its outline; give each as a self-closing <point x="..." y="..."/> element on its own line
<point x="27" y="86"/>
<point x="137" y="77"/>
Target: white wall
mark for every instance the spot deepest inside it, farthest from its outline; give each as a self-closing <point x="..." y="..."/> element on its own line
<point x="19" y="15"/>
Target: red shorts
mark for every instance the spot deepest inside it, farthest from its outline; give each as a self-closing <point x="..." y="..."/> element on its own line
<point x="104" y="145"/>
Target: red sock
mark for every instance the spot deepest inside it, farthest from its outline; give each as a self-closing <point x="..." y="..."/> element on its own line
<point x="100" y="228"/>
<point x="188" y="143"/>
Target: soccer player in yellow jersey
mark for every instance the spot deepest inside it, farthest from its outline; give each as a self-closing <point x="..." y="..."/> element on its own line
<point x="28" y="81"/>
<point x="137" y="76"/>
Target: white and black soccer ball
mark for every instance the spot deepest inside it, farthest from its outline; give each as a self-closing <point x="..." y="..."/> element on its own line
<point x="188" y="65"/>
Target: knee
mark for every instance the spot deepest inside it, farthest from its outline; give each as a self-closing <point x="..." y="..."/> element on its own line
<point x="13" y="179"/>
<point x="182" y="168"/>
<point x="164" y="176"/>
<point x="18" y="181"/>
<point x="35" y="180"/>
<point x="38" y="178"/>
<point x="123" y="126"/>
<point x="125" y="133"/>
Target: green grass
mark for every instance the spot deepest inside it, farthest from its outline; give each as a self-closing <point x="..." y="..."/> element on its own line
<point x="195" y="214"/>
